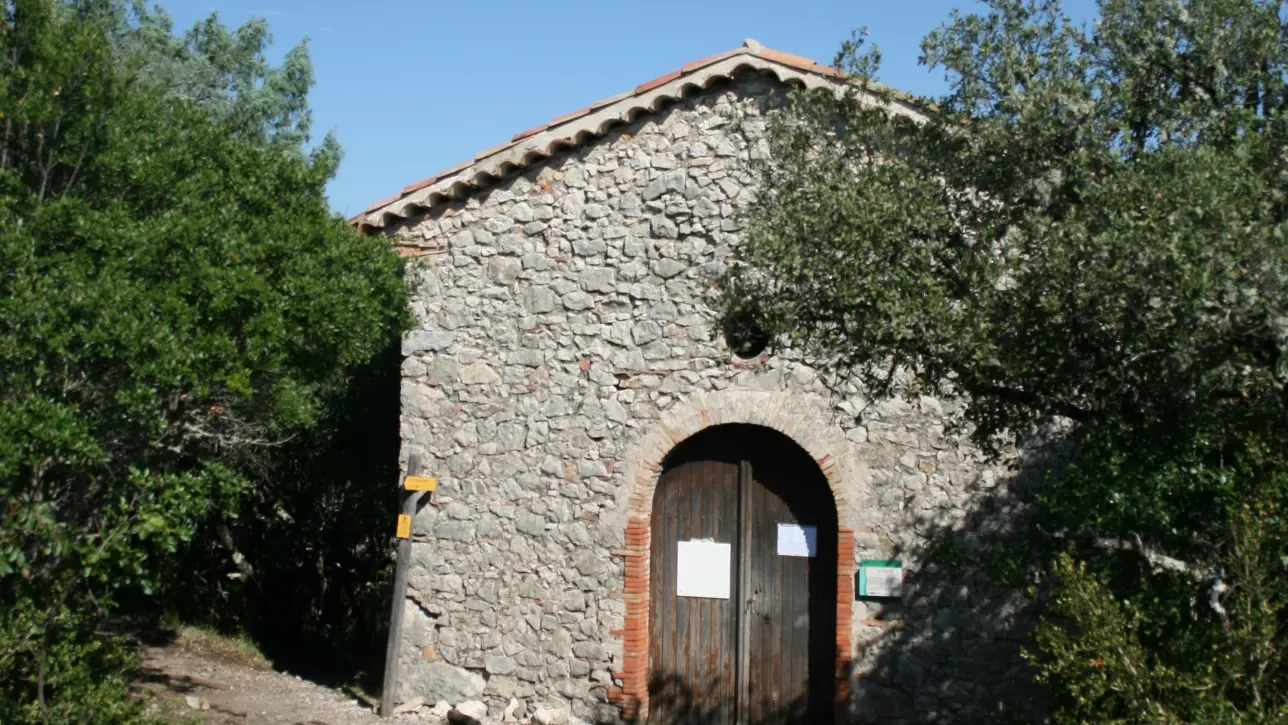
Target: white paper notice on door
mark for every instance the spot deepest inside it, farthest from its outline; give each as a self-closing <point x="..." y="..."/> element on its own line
<point x="703" y="569"/>
<point x="797" y="540"/>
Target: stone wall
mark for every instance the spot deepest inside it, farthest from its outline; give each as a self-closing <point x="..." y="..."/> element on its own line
<point x="561" y="320"/>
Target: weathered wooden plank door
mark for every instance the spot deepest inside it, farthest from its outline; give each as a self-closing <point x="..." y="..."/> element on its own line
<point x="789" y="602"/>
<point x="765" y="655"/>
<point x="693" y="642"/>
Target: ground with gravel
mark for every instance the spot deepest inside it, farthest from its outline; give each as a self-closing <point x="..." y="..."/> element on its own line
<point x="202" y="679"/>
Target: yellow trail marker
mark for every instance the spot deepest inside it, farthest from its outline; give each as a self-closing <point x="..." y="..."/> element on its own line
<point x="404" y="526"/>
<point x="420" y="483"/>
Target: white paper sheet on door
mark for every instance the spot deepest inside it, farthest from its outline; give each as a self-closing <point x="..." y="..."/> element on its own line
<point x="703" y="569"/>
<point x="797" y="540"/>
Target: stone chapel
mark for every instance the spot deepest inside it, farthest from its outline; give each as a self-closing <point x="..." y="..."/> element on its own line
<point x="632" y="519"/>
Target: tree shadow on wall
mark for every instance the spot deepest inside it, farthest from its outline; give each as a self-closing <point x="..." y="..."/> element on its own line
<point x="948" y="650"/>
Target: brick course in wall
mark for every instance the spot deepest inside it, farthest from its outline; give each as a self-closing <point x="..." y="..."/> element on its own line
<point x="789" y="415"/>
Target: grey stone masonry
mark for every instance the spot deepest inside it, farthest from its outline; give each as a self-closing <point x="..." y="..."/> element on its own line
<point x="561" y="320"/>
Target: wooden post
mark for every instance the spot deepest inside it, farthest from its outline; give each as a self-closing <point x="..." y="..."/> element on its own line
<point x="407" y="507"/>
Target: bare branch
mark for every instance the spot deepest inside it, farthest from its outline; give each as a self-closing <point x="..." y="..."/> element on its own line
<point x="234" y="440"/>
<point x="80" y="159"/>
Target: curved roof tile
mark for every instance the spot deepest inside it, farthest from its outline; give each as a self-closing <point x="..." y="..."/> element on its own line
<point x="580" y="126"/>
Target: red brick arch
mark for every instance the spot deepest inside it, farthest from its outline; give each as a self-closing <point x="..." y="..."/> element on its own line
<point x="804" y="418"/>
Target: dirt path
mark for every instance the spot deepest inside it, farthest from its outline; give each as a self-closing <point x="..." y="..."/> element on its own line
<point x="216" y="683"/>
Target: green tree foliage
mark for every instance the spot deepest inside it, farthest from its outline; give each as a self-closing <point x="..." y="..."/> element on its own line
<point x="178" y="305"/>
<point x="221" y="70"/>
<point x="1087" y="228"/>
<point x="306" y="567"/>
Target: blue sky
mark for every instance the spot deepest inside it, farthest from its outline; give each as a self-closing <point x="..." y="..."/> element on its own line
<point x="411" y="87"/>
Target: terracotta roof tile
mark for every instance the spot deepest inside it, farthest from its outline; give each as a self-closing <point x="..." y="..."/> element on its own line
<point x="611" y="100"/>
<point x="750" y="48"/>
<point x="830" y="70"/>
<point x="568" y="116"/>
<point x="796" y="61"/>
<point x="702" y="63"/>
<point x="660" y="80"/>
<point x="489" y="151"/>
<point x="387" y="200"/>
<point x="455" y="168"/>
<point x="419" y="185"/>
<point x="531" y="132"/>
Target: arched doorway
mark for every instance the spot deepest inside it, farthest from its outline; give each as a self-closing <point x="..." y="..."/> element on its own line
<point x="743" y="582"/>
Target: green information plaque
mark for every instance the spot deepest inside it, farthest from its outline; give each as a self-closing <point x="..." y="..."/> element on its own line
<point x="880" y="578"/>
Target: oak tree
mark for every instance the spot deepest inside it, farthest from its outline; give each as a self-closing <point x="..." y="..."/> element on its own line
<point x="1087" y="229"/>
<point x="178" y="303"/>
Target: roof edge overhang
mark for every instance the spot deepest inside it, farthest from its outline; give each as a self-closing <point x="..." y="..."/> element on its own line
<point x="572" y="130"/>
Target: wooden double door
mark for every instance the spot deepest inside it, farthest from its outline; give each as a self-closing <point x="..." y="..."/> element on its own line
<point x="766" y="654"/>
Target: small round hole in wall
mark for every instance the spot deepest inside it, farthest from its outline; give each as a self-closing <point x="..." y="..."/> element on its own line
<point x="743" y="332"/>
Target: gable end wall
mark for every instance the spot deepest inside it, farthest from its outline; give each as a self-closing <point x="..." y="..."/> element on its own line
<point x="561" y="331"/>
